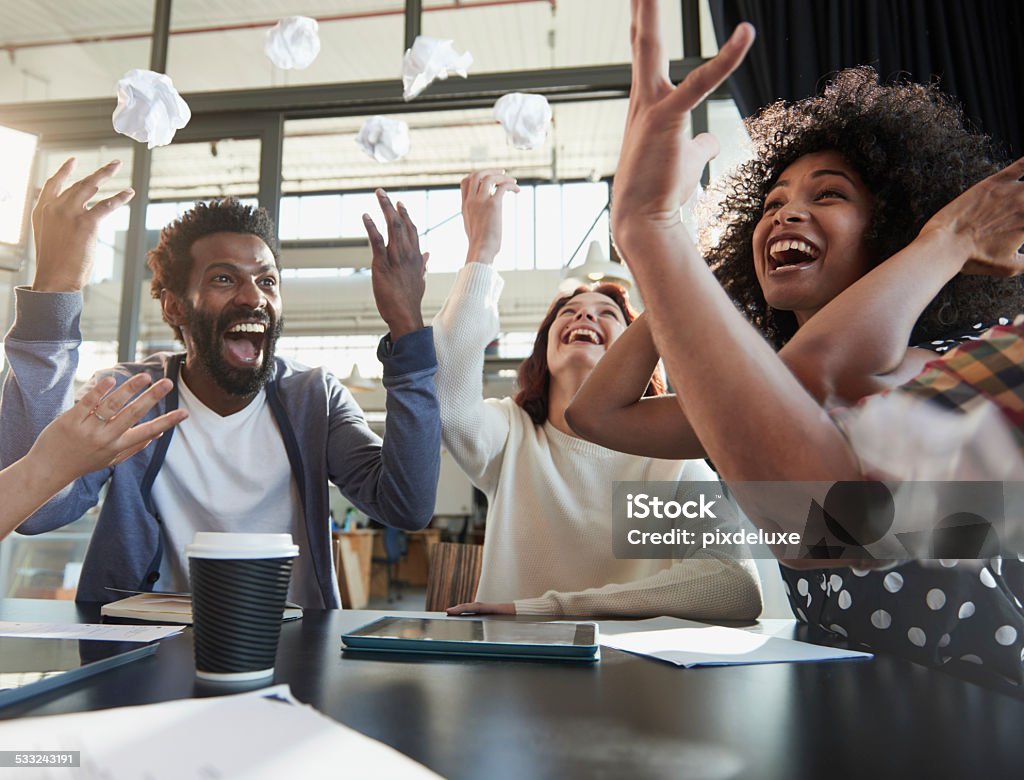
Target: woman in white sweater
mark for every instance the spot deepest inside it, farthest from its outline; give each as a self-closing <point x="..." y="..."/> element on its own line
<point x="548" y="541"/>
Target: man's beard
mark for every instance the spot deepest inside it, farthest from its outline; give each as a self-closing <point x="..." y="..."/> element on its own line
<point x="207" y="335"/>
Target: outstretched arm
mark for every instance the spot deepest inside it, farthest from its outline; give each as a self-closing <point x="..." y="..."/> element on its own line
<point x="754" y="398"/>
<point x="474" y="430"/>
<point x="42" y="345"/>
<point x="394" y="481"/>
<point x="609" y="408"/>
<point x="709" y="588"/>
<point x="97" y="432"/>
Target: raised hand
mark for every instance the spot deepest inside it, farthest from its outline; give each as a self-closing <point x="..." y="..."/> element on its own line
<point x="988" y="219"/>
<point x="100" y="430"/>
<point x="398" y="269"/>
<point x="65" y="227"/>
<point x="482" y="194"/>
<point x="660" y="165"/>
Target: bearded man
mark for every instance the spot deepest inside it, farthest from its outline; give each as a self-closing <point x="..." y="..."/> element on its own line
<point x="264" y="435"/>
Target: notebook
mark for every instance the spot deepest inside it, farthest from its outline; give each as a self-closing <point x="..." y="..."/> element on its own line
<point x="557" y="641"/>
<point x="29" y="667"/>
<point x="167" y="608"/>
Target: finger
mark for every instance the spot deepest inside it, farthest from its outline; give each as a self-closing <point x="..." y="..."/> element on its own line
<point x="426" y="257"/>
<point x="1014" y="171"/>
<point x="489" y="183"/>
<point x="137" y="438"/>
<point x="391" y="217"/>
<point x="112" y="204"/>
<point x="131" y="413"/>
<point x="55" y="183"/>
<point x="51" y="189"/>
<point x="485" y="181"/>
<point x="376" y="239"/>
<point x="408" y="236"/>
<point x="114" y="402"/>
<point x="708" y="147"/>
<point x="81" y="192"/>
<point x="650" y="65"/>
<point x="124" y="454"/>
<point x="506" y="186"/>
<point x="93" y="396"/>
<point x="468" y="608"/>
<point x="464" y="185"/>
<point x="703" y="80"/>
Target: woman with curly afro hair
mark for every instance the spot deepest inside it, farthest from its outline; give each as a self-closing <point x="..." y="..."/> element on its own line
<point x="909" y="145"/>
<point x="838" y="185"/>
<point x="843" y="241"/>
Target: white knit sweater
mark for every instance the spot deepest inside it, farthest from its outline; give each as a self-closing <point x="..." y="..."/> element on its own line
<point x="548" y="541"/>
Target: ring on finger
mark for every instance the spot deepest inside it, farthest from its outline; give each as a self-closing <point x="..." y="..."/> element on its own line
<point x="100" y="417"/>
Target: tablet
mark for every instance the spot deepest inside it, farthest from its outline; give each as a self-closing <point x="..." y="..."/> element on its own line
<point x="494" y="638"/>
<point x="30" y="666"/>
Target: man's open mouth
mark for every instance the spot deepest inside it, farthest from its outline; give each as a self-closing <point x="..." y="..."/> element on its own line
<point x="244" y="342"/>
<point x="582" y="335"/>
<point x="791" y="254"/>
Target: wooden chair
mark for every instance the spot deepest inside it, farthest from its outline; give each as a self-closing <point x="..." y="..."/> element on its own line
<point x="454" y="574"/>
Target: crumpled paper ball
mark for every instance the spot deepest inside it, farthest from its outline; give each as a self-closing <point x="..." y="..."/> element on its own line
<point x="430" y="59"/>
<point x="525" y="118"/>
<point x="385" y="140"/>
<point x="149" y="108"/>
<point x="293" y="43"/>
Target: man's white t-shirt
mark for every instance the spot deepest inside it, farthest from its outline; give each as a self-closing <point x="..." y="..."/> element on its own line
<point x="229" y="474"/>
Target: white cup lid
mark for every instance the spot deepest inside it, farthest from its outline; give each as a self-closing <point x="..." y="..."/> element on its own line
<point x="209" y="544"/>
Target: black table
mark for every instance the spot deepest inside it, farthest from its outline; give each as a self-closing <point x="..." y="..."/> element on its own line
<point x="624" y="717"/>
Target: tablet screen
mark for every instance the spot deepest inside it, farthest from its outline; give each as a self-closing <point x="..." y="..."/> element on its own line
<point x="31" y="665"/>
<point x="489" y="631"/>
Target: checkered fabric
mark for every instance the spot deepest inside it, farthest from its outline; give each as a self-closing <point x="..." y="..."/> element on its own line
<point x="987" y="369"/>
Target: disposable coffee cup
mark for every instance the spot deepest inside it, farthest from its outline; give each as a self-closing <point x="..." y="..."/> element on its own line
<point x="239" y="588"/>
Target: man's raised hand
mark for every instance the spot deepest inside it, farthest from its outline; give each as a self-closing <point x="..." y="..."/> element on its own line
<point x="65" y="227"/>
<point x="398" y="269"/>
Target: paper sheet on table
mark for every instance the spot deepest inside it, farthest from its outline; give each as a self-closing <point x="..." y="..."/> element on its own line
<point x="696" y="644"/>
<point x="94" y="631"/>
<point x="243" y="736"/>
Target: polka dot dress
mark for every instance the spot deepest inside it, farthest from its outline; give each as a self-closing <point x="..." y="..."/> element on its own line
<point x="937" y="613"/>
<point x="944" y="345"/>
<point x="940" y="613"/>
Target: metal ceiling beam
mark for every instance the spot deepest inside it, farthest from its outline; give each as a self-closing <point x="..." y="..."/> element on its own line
<point x="135" y="243"/>
<point x="413" y="21"/>
<point x="691" y="48"/>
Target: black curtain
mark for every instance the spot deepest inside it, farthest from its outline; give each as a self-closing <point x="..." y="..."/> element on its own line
<point x="975" y="48"/>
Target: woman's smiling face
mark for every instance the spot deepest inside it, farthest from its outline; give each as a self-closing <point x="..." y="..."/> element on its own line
<point x="809" y="245"/>
<point x="583" y="330"/>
